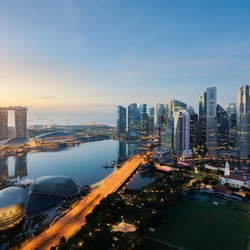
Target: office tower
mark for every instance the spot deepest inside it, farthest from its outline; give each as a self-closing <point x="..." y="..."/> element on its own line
<point x="243" y="121"/>
<point x="151" y="120"/>
<point x="142" y="107"/>
<point x="20" y="122"/>
<point x="202" y="120"/>
<point x="178" y="134"/>
<point x="144" y="124"/>
<point x="186" y="152"/>
<point x="133" y="120"/>
<point x="194" y="126"/>
<point x="144" y="121"/>
<point x="232" y="117"/>
<point x="174" y="108"/>
<point x="223" y="127"/>
<point x="211" y="122"/>
<point x="159" y="111"/>
<point x="3" y="124"/>
<point x="121" y="120"/>
<point x="167" y="133"/>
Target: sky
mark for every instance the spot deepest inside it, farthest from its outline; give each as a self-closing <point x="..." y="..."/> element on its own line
<point x="71" y="62"/>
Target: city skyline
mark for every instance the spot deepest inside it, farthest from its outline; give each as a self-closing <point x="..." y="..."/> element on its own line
<point x="83" y="58"/>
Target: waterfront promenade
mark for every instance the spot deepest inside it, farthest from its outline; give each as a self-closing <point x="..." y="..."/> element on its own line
<point x="73" y="220"/>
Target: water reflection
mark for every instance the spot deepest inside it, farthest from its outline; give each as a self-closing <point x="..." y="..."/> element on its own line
<point x="122" y="150"/>
<point x="4" y="168"/>
<point x="83" y="162"/>
<point x="21" y="166"/>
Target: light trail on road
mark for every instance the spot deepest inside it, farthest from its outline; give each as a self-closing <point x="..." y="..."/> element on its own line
<point x="75" y="218"/>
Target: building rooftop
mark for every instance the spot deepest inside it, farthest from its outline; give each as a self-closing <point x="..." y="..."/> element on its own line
<point x="55" y="185"/>
<point x="13" y="195"/>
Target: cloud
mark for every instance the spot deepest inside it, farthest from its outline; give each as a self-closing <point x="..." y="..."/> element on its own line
<point x="47" y="97"/>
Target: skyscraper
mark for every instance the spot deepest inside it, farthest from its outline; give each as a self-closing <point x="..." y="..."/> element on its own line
<point x="21" y="122"/>
<point x="159" y="111"/>
<point x="232" y="117"/>
<point x="167" y="133"/>
<point x="211" y="122"/>
<point x="174" y="108"/>
<point x="3" y="124"/>
<point x="223" y="127"/>
<point x="121" y="120"/>
<point x="193" y="128"/>
<point x="151" y="120"/>
<point x="144" y="121"/>
<point x="202" y="120"/>
<point x="133" y="120"/>
<point x="182" y="136"/>
<point x="186" y="152"/>
<point x="243" y="121"/>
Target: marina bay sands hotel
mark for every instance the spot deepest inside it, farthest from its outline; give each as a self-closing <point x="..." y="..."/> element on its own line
<point x="20" y="130"/>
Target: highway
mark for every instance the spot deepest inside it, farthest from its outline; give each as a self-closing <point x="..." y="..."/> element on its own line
<point x="75" y="218"/>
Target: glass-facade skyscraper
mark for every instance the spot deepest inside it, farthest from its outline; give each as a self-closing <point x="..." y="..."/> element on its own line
<point x="151" y="120"/>
<point x="21" y="122"/>
<point x="243" y="121"/>
<point x="223" y="127"/>
<point x="121" y="120"/>
<point x="211" y="122"/>
<point x="3" y="125"/>
<point x="232" y="117"/>
<point x="202" y="120"/>
<point x="133" y="120"/>
<point x="159" y="111"/>
<point x="193" y="128"/>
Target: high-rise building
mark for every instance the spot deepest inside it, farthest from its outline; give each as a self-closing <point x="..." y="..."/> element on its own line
<point x="202" y="120"/>
<point x="151" y="120"/>
<point x="178" y="134"/>
<point x="144" y="121"/>
<point x="182" y="135"/>
<point x="186" y="152"/>
<point x="159" y="111"/>
<point x="167" y="133"/>
<point x="232" y="117"/>
<point x="3" y="125"/>
<point x="21" y="122"/>
<point x="193" y="129"/>
<point x="211" y="122"/>
<point x="174" y="108"/>
<point x="121" y="120"/>
<point x="20" y="130"/>
<point x="133" y="120"/>
<point x="223" y="127"/>
<point x="243" y="121"/>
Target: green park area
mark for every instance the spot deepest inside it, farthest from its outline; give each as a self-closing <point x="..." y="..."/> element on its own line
<point x="199" y="225"/>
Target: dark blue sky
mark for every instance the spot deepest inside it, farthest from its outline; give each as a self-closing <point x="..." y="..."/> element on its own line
<point x="83" y="57"/>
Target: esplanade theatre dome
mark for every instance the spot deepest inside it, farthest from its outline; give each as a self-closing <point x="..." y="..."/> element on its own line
<point x="12" y="206"/>
<point x="49" y="191"/>
<point x="54" y="185"/>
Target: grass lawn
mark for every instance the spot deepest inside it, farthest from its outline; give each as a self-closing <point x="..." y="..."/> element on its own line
<point x="148" y="244"/>
<point x="200" y="225"/>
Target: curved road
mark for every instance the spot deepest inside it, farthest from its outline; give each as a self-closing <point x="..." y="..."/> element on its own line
<point x="74" y="219"/>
